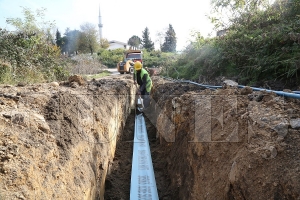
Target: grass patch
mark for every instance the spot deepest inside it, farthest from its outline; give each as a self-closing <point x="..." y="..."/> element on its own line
<point x="96" y="76"/>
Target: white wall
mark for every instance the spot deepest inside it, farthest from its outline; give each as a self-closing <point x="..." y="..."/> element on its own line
<point x="116" y="46"/>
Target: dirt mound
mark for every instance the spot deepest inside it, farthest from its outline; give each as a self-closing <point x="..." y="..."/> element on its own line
<point x="76" y="78"/>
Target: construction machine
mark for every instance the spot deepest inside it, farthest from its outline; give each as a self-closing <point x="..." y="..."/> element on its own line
<point x="130" y="56"/>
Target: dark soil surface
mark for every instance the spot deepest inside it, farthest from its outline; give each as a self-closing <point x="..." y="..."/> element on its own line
<point x="117" y="185"/>
<point x="158" y="159"/>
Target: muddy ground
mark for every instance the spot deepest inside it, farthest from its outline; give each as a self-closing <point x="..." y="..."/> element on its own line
<point x="74" y="141"/>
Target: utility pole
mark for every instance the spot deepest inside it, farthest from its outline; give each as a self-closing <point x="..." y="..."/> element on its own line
<point x="100" y="25"/>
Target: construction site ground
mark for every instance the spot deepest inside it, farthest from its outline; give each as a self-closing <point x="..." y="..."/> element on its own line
<point x="73" y="140"/>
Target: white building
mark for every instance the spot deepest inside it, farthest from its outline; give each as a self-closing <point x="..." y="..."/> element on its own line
<point x="113" y="44"/>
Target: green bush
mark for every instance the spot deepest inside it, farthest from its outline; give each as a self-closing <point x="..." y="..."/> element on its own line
<point x="30" y="51"/>
<point x="5" y="74"/>
<point x="158" y="59"/>
<point x="110" y="58"/>
<point x="258" y="46"/>
<point x="61" y="73"/>
<point x="31" y="58"/>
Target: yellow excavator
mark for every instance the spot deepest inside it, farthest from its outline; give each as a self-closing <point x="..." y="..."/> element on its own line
<point x="130" y="56"/>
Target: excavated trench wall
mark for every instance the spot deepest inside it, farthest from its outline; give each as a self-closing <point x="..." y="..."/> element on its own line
<point x="59" y="142"/>
<point x="228" y="143"/>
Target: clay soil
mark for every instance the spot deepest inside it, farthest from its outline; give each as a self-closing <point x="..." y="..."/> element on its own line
<point x="57" y="140"/>
<point x="227" y="143"/>
<point x="206" y="144"/>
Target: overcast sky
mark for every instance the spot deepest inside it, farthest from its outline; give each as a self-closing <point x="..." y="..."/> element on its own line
<point x="121" y="19"/>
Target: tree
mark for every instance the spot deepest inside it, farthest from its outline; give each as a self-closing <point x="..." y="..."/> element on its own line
<point x="88" y="38"/>
<point x="160" y="36"/>
<point x="146" y="42"/>
<point x="104" y="43"/>
<point x="109" y="58"/>
<point x="70" y="41"/>
<point x="226" y="12"/>
<point x="34" y="23"/>
<point x="30" y="51"/>
<point x="134" y="42"/>
<point x="169" y="44"/>
<point x="58" y="39"/>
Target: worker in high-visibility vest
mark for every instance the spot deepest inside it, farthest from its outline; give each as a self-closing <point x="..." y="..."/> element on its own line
<point x="142" y="78"/>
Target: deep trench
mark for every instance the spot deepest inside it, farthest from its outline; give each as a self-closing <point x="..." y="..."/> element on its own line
<point x="117" y="184"/>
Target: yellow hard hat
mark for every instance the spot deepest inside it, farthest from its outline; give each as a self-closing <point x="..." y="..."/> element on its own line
<point x="137" y="65"/>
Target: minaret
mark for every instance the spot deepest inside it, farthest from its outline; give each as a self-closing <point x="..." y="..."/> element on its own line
<point x="100" y="25"/>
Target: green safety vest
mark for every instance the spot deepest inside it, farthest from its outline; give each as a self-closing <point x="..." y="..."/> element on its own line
<point x="149" y="81"/>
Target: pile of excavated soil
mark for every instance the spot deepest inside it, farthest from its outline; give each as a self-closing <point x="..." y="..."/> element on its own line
<point x="228" y="143"/>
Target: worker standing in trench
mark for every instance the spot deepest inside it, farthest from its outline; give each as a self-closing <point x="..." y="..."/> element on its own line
<point x="142" y="78"/>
